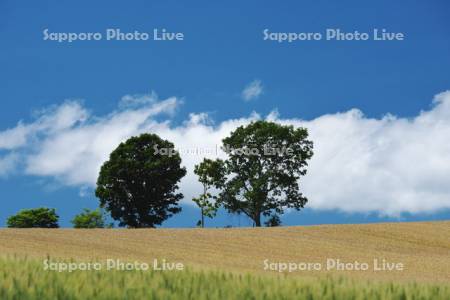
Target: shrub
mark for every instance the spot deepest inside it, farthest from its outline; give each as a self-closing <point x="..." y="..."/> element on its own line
<point x="89" y="219"/>
<point x="34" y="218"/>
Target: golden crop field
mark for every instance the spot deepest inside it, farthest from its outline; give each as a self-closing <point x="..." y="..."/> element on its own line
<point x="422" y="247"/>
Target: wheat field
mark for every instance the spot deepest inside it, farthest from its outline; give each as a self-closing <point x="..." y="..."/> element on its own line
<point x="422" y="247"/>
<point x="24" y="279"/>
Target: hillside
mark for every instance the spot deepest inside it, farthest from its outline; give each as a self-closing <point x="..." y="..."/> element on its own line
<point x="422" y="247"/>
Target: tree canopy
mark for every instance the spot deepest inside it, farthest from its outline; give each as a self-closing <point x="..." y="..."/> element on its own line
<point x="138" y="184"/>
<point x="210" y="174"/>
<point x="34" y="218"/>
<point x="89" y="219"/>
<point x="263" y="169"/>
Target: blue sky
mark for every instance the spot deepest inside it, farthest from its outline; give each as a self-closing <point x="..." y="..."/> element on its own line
<point x="222" y="53"/>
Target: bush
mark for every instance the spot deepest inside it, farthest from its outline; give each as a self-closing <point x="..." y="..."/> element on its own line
<point x="34" y="218"/>
<point x="273" y="221"/>
<point x="89" y="219"/>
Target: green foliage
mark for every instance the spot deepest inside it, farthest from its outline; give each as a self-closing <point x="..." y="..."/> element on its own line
<point x="34" y="218"/>
<point x="138" y="183"/>
<point x="25" y="279"/>
<point x="210" y="174"/>
<point x="89" y="219"/>
<point x="262" y="172"/>
<point x="207" y="207"/>
<point x="273" y="221"/>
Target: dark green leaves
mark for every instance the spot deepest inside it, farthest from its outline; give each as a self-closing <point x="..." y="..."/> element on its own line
<point x="138" y="183"/>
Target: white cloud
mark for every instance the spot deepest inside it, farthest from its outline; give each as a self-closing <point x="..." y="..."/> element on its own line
<point x="69" y="144"/>
<point x="252" y="91"/>
<point x="51" y="120"/>
<point x="389" y="165"/>
<point x="137" y="100"/>
<point x="8" y="164"/>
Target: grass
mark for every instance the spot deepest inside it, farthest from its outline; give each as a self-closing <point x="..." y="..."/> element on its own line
<point x="22" y="279"/>
<point x="423" y="247"/>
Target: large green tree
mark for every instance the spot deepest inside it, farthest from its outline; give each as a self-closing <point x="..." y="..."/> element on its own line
<point x="263" y="169"/>
<point x="34" y="218"/>
<point x="138" y="184"/>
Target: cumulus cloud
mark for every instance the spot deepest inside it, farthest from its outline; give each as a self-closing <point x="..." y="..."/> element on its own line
<point x="389" y="165"/>
<point x="68" y="143"/>
<point x="252" y="91"/>
<point x="8" y="164"/>
<point x="137" y="100"/>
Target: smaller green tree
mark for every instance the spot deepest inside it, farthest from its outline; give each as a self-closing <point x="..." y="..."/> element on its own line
<point x="89" y="219"/>
<point x="273" y="221"/>
<point x="34" y="218"/>
<point x="211" y="175"/>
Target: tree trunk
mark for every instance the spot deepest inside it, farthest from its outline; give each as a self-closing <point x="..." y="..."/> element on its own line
<point x="203" y="219"/>
<point x="203" y="216"/>
<point x="257" y="220"/>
